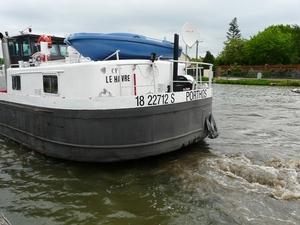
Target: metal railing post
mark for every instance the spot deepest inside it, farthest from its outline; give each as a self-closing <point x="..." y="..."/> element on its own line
<point x="200" y="74"/>
<point x="116" y="53"/>
<point x="154" y="83"/>
<point x="197" y="78"/>
<point x="210" y="76"/>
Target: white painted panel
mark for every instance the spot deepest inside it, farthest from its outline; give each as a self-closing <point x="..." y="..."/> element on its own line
<point x="102" y="103"/>
<point x="100" y="85"/>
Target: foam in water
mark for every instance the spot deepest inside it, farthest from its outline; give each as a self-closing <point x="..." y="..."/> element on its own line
<point x="279" y="177"/>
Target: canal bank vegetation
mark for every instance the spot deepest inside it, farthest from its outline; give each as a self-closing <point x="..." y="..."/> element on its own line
<point x="273" y="52"/>
<point x="266" y="82"/>
<point x="291" y="71"/>
<point x="277" y="44"/>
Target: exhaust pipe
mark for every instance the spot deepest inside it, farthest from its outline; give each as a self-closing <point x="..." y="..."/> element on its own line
<point x="5" y="54"/>
<point x="175" y="56"/>
<point x="5" y="51"/>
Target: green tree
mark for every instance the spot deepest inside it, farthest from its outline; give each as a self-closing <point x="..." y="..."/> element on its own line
<point x="233" y="31"/>
<point x="209" y="58"/>
<point x="296" y="36"/>
<point x="275" y="45"/>
<point x="234" y="49"/>
<point x="234" y="52"/>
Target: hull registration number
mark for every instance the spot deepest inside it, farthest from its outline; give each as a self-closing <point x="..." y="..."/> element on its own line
<point x="155" y="99"/>
<point x="170" y="98"/>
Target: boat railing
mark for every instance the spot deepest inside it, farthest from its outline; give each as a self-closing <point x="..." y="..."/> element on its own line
<point x="134" y="86"/>
<point x="194" y="69"/>
<point x="197" y="70"/>
<point x="116" y="53"/>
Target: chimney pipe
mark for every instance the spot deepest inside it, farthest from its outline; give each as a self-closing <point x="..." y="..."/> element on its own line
<point x="175" y="56"/>
<point x="5" y="52"/>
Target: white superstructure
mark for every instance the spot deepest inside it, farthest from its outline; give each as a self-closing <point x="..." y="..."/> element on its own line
<point x="101" y="84"/>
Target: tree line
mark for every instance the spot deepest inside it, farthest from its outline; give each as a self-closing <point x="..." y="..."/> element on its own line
<point x="277" y="44"/>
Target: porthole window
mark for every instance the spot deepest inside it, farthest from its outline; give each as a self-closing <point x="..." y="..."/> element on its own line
<point x="50" y="84"/>
<point x="16" y="82"/>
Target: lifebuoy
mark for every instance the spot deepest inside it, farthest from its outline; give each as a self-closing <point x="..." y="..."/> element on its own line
<point x="45" y="38"/>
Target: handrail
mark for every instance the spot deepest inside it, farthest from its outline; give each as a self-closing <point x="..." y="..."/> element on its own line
<point x="198" y="69"/>
<point x="196" y="66"/>
<point x="191" y="62"/>
<point x="135" y="66"/>
<point x="116" y="53"/>
<point x="39" y="72"/>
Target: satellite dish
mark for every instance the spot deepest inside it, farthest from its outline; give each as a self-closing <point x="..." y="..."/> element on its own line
<point x="190" y="34"/>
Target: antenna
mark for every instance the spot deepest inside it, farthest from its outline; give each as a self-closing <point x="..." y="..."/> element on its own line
<point x="190" y="34"/>
<point x="27" y="29"/>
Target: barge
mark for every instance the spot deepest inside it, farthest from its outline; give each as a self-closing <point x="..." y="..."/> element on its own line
<point x="106" y="110"/>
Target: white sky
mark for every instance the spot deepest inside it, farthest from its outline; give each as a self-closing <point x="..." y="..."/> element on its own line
<point x="153" y="18"/>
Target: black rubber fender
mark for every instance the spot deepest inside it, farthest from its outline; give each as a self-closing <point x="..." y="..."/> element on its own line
<point x="211" y="127"/>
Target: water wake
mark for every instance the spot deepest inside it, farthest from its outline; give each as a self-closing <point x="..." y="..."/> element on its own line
<point x="278" y="177"/>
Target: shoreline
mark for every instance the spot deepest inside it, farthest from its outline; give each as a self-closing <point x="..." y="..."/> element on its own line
<point x="263" y="82"/>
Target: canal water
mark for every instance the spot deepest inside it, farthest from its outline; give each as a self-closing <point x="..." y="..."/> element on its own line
<point x="249" y="175"/>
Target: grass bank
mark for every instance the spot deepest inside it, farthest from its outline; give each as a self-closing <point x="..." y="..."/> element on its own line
<point x="266" y="82"/>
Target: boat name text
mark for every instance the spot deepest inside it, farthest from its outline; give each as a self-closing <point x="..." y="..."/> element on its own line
<point x="155" y="99"/>
<point x="196" y="94"/>
<point x="117" y="78"/>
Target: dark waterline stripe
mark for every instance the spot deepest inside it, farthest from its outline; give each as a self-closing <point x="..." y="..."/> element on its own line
<point x="98" y="146"/>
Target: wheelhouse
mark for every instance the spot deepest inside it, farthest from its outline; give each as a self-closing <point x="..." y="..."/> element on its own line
<point x="22" y="47"/>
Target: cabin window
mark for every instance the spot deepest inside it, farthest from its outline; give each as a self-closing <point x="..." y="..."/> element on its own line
<point x="26" y="48"/>
<point x="16" y="82"/>
<point x="54" y="50"/>
<point x="50" y="84"/>
<point x="13" y="47"/>
<point x="36" y="47"/>
<point x="63" y="50"/>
